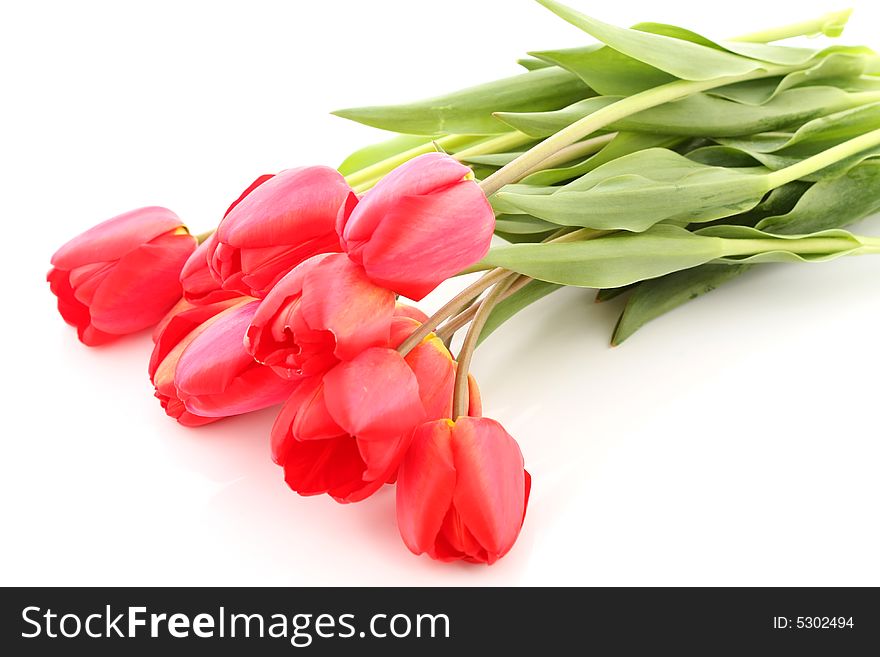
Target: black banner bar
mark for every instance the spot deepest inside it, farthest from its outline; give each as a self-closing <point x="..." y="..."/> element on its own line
<point x="421" y="621"/>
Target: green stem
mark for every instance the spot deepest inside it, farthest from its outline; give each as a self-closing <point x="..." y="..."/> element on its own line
<point x="461" y="396"/>
<point x="870" y="245"/>
<point x="804" y="28"/>
<point x="500" y="144"/>
<point x="802" y="246"/>
<point x="201" y="237"/>
<point x="623" y="108"/>
<point x="825" y="158"/>
<point x="574" y="152"/>
<point x="448" y="329"/>
<point x="450" y="308"/>
<point x="484" y="146"/>
<point x="379" y="169"/>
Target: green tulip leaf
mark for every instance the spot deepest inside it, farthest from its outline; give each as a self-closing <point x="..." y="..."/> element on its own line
<point x="506" y="309"/>
<point x="702" y="114"/>
<point x="639" y="190"/>
<point x="622" y="144"/>
<point x="532" y="63"/>
<point x="523" y="224"/>
<point x="815" y="135"/>
<point x="831" y="203"/>
<point x="828" y="204"/>
<point x="656" y="297"/>
<point x="689" y="57"/>
<point x="470" y="111"/>
<point x="611" y="261"/>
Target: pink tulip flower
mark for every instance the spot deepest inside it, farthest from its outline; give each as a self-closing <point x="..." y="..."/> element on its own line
<point x="121" y="276"/>
<point x="200" y="368"/>
<point x="462" y="491"/>
<point x="278" y="222"/>
<point x="422" y="223"/>
<point x="345" y="433"/>
<point x="324" y="311"/>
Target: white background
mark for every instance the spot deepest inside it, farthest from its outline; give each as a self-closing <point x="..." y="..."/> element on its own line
<point x="734" y="441"/>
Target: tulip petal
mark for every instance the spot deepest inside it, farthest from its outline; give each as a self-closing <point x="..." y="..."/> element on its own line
<point x="489" y="491"/>
<point x="255" y="388"/>
<point x="419" y="176"/>
<point x="423" y="240"/>
<point x="143" y="286"/>
<point x="338" y="297"/>
<point x="374" y="396"/>
<point x="180" y="323"/>
<point x="199" y="284"/>
<point x="259" y="181"/>
<point x="434" y="368"/>
<point x="217" y="355"/>
<point x="425" y="485"/>
<point x="405" y="310"/>
<point x="455" y="541"/>
<point x="475" y="401"/>
<point x="73" y="312"/>
<point x="112" y="239"/>
<point x="277" y="225"/>
<point x="332" y="466"/>
<point x="295" y="205"/>
<point x="281" y="430"/>
<point x="313" y="421"/>
<point x="382" y="457"/>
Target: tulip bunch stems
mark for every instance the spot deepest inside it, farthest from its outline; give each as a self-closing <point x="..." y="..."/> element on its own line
<point x="461" y="394"/>
<point x="452" y="307"/>
<point x="448" y="329"/>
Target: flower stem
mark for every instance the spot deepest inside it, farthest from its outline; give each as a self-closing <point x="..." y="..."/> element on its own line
<point x="804" y="28"/>
<point x="576" y="150"/>
<point x="461" y="397"/>
<point x="500" y="144"/>
<point x="466" y="312"/>
<point x="825" y="158"/>
<point x="451" y="307"/>
<point x="201" y="237"/>
<point x="448" y="329"/>
<point x="379" y="169"/>
<point x="801" y="246"/>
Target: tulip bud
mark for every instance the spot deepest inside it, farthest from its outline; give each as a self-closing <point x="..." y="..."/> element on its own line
<point x="422" y="223"/>
<point x="462" y="491"/>
<point x="121" y="276"/>
<point x="275" y="225"/>
<point x="345" y="432"/>
<point x="324" y="311"/>
<point x="200" y="368"/>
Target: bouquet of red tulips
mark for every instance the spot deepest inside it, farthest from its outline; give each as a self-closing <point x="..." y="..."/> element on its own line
<point x="656" y="163"/>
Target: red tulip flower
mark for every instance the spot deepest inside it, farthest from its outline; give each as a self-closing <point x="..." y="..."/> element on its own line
<point x="324" y="311"/>
<point x="345" y="433"/>
<point x="200" y="368"/>
<point x="121" y="276"/>
<point x="276" y="224"/>
<point x="462" y="491"/>
<point x="422" y="223"/>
